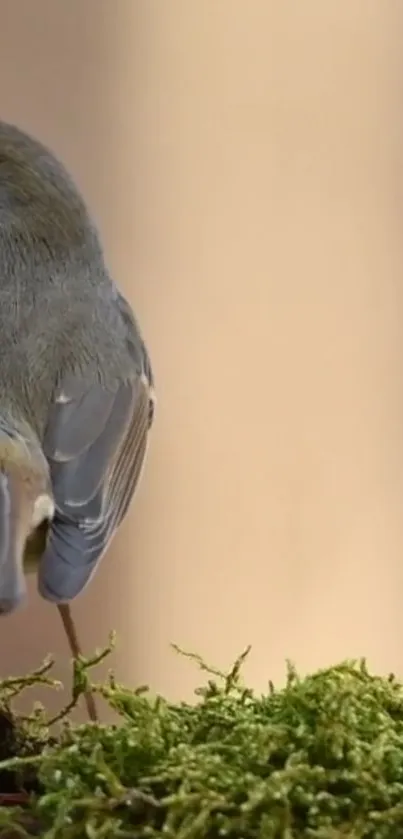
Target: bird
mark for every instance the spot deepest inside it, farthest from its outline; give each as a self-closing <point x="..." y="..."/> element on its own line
<point x="77" y="393"/>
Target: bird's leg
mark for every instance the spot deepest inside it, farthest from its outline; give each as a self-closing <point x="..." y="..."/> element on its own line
<point x="70" y="630"/>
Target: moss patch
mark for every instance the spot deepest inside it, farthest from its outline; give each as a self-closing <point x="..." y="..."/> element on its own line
<point x="322" y="757"/>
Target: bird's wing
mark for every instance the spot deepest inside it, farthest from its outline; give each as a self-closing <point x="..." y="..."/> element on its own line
<point x="95" y="444"/>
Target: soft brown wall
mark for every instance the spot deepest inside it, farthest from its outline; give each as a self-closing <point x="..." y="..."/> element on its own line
<point x="244" y="162"/>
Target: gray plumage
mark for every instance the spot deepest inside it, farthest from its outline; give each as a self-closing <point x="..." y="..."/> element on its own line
<point x="76" y="384"/>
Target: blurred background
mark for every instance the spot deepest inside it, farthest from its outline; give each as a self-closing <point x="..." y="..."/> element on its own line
<point x="243" y="161"/>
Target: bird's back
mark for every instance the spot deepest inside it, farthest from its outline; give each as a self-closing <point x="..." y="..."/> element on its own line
<point x="55" y="290"/>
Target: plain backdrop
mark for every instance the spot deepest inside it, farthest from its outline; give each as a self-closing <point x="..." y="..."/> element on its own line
<point x="244" y="163"/>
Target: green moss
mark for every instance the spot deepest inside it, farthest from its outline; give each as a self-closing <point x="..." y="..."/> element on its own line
<point x="322" y="757"/>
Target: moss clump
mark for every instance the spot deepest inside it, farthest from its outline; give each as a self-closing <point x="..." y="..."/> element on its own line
<point x="322" y="757"/>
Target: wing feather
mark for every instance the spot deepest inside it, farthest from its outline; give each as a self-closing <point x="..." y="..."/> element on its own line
<point x="95" y="464"/>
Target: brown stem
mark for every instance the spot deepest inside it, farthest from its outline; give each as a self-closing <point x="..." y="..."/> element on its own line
<point x="10" y="799"/>
<point x="70" y="630"/>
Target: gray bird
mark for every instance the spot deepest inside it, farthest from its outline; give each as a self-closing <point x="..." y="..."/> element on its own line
<point x="76" y="384"/>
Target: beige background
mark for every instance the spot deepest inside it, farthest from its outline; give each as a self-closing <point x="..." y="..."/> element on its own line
<point x="244" y="162"/>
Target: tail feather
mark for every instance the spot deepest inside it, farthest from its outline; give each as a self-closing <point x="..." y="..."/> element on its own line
<point x="25" y="501"/>
<point x="12" y="540"/>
